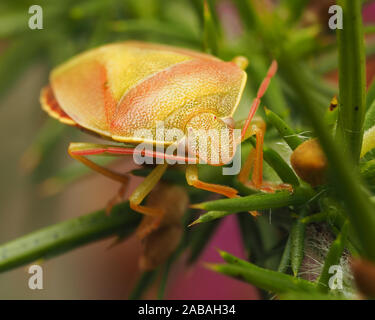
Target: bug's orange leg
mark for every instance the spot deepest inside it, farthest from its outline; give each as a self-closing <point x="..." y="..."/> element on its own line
<point x="244" y="174"/>
<point x="79" y="151"/>
<point x="138" y="196"/>
<point x="261" y="91"/>
<point x="255" y="161"/>
<point x="257" y="177"/>
<point x="87" y="149"/>
<point x="193" y="180"/>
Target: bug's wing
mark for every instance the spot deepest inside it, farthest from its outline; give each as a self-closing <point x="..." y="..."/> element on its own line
<point x="81" y="91"/>
<point x="177" y="93"/>
<point x="53" y="108"/>
<point x="89" y="86"/>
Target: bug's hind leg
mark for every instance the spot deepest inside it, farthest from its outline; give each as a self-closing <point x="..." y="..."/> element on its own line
<point x="193" y="180"/>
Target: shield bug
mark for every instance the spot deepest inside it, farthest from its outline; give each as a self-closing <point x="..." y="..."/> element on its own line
<point x="118" y="89"/>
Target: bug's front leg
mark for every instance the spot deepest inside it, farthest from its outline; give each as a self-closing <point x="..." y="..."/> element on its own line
<point x="254" y="162"/>
<point x="258" y="128"/>
<point x="255" y="159"/>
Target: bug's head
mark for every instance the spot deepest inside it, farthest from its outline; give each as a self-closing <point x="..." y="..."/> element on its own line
<point x="211" y="139"/>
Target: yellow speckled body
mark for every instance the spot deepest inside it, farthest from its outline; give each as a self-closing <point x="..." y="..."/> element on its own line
<point x="119" y="88"/>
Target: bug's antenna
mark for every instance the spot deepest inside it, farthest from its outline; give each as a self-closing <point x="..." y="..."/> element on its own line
<point x="261" y="91"/>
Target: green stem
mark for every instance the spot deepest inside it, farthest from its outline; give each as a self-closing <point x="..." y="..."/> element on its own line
<point x="285" y="258"/>
<point x="67" y="235"/>
<point x="286" y="132"/>
<point x="297" y="235"/>
<point x="260" y="201"/>
<point x="260" y="277"/>
<point x="352" y="78"/>
<point x="317" y="217"/>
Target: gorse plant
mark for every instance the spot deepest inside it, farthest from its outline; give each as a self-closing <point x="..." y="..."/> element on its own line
<point x="340" y="208"/>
